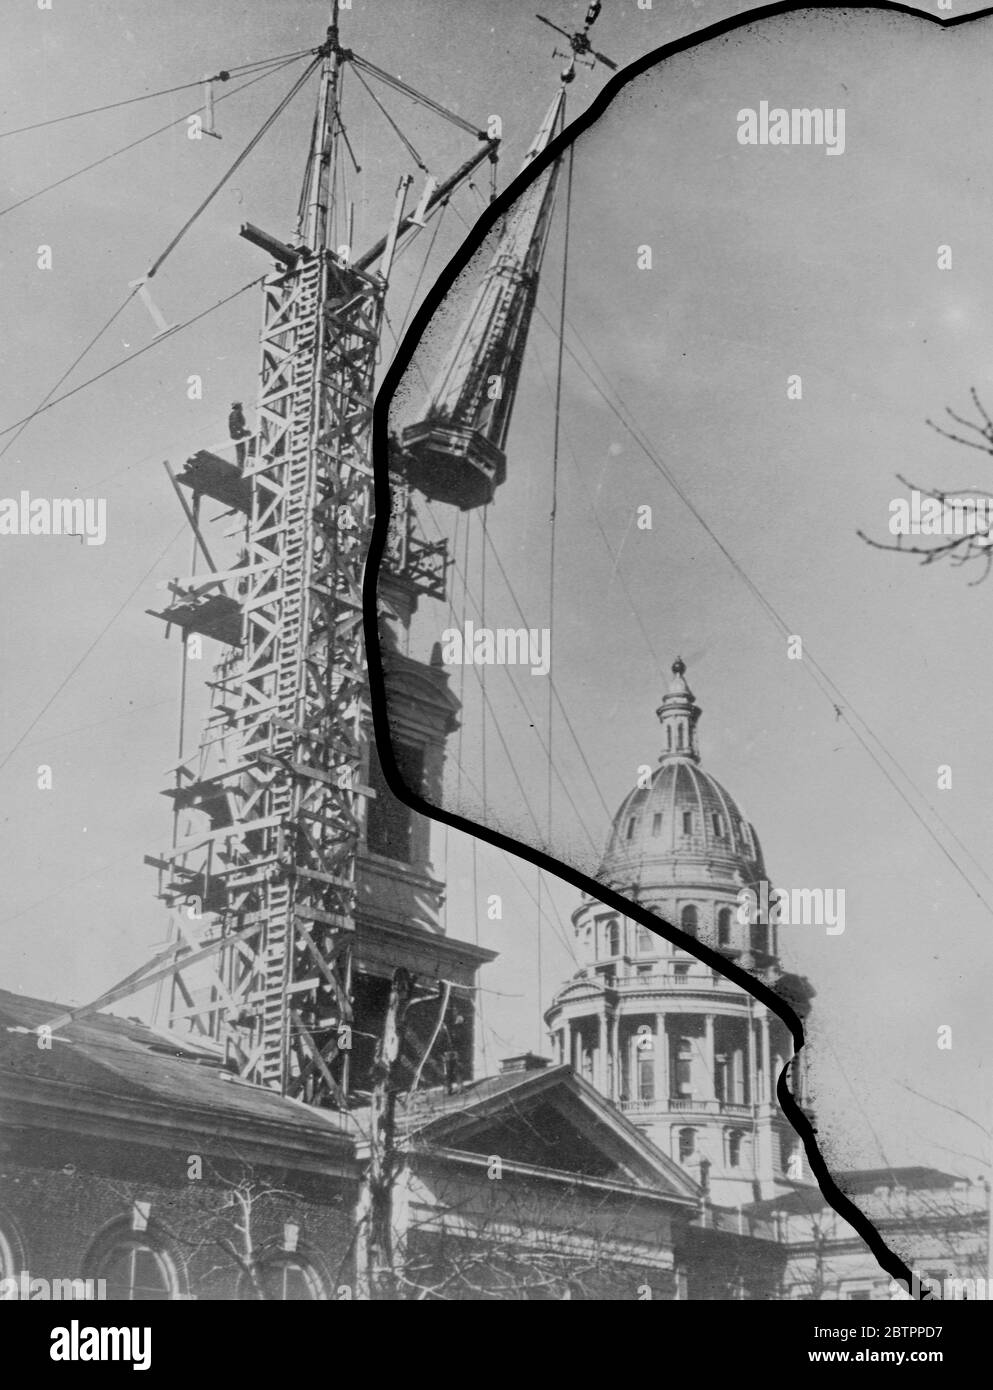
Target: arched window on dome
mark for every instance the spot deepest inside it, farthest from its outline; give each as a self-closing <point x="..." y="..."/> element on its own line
<point x="689" y="920"/>
<point x="717" y="821"/>
<point x="724" y="926"/>
<point x="631" y="825"/>
<point x="657" y="824"/>
<point x="687" y="1144"/>
<point x="687" y="822"/>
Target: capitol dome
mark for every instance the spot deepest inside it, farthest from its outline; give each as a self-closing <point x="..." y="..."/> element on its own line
<point x="679" y="825"/>
<point x="684" y="1051"/>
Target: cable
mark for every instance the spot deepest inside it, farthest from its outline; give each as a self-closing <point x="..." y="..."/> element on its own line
<point x="393" y="125"/>
<point x="616" y="571"/>
<point x="56" y="892"/>
<point x="520" y="613"/>
<point x="553" y="687"/>
<point x="157" y="264"/>
<point x="100" y="635"/>
<point x="424" y="266"/>
<point x="176" y="328"/>
<point x="813" y="668"/>
<point x="104" y="159"/>
<point x="22" y="426"/>
<point x="418" y="97"/>
<point x="97" y="723"/>
<point x="222" y="76"/>
<point x="263" y="129"/>
<point x="533" y="723"/>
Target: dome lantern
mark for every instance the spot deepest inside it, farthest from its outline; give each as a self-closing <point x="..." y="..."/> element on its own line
<point x="678" y="714"/>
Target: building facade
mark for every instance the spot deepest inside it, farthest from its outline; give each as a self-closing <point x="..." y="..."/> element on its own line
<point x="683" y="1051"/>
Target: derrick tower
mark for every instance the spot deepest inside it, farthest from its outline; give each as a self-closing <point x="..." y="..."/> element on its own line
<point x="297" y="883"/>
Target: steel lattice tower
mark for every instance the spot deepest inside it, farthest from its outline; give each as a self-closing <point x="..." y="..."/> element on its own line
<point x="263" y="965"/>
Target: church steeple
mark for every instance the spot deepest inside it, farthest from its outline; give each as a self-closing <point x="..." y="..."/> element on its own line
<point x="455" y="451"/>
<point x="678" y="714"/>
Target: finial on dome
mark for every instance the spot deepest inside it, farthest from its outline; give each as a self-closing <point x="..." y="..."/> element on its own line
<point x="678" y="715"/>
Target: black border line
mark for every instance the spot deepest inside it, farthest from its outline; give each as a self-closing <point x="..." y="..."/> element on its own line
<point x="433" y="300"/>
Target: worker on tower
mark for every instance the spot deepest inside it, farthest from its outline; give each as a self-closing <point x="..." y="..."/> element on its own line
<point x="238" y="430"/>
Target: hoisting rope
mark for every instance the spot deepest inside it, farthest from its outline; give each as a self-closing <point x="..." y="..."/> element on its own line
<point x="224" y="75"/>
<point x="266" y="124"/>
<point x="417" y="96"/>
<point x="141" y="140"/>
<point x="556" y="445"/>
<point x="824" y="682"/>
<point x="311" y="67"/>
<point x="393" y="125"/>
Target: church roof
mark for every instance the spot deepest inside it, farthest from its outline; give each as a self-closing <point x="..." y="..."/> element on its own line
<point x="548" y="1119"/>
<point x="102" y="1073"/>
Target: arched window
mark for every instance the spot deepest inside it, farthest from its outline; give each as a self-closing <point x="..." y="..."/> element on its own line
<point x="724" y="926"/>
<point x="285" y="1279"/>
<point x="12" y="1259"/>
<point x="760" y="937"/>
<point x="646" y="1067"/>
<point x="646" y="942"/>
<point x="684" y="1067"/>
<point x="717" y="821"/>
<point x="687" y="822"/>
<point x="613" y="937"/>
<point x="687" y="1144"/>
<point x="735" y="1137"/>
<point x="657" y="824"/>
<point x="689" y="920"/>
<point x="631" y="825"/>
<point x="137" y="1266"/>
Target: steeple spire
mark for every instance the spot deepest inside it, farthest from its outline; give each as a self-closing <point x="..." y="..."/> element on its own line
<point x="455" y="452"/>
<point x="678" y="714"/>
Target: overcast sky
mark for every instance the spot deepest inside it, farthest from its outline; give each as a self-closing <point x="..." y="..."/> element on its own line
<point x="767" y="262"/>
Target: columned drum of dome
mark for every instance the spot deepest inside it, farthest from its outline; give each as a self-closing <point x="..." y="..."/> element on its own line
<point x="688" y="1055"/>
